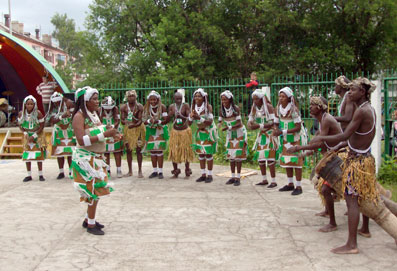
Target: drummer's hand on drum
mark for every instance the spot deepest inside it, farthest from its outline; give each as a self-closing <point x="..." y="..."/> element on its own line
<point x="110" y="133"/>
<point x="316" y="139"/>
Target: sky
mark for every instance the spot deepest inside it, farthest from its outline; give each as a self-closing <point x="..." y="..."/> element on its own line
<point x="38" y="13"/>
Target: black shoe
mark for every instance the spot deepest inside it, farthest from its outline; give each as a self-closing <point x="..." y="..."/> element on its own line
<point x="41" y="178"/>
<point x="61" y="176"/>
<point x="272" y="185"/>
<point x="286" y="188"/>
<point x="153" y="175"/>
<point x="237" y="182"/>
<point x="263" y="183"/>
<point x="201" y="179"/>
<point x="97" y="224"/>
<point x="297" y="191"/>
<point x="95" y="231"/>
<point x="27" y="179"/>
<point x="160" y="175"/>
<point x="209" y="179"/>
<point x="230" y="181"/>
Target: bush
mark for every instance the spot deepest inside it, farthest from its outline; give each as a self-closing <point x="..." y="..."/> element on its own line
<point x="388" y="171"/>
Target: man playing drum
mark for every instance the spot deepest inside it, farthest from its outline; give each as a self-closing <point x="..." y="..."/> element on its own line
<point x="359" y="181"/>
<point x="328" y="126"/>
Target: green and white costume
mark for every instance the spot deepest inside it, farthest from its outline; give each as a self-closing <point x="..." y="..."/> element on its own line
<point x="206" y="139"/>
<point x="111" y="144"/>
<point x="236" y="140"/>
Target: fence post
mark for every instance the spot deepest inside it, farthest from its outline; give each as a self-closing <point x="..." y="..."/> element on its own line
<point x="376" y="146"/>
<point x="386" y="112"/>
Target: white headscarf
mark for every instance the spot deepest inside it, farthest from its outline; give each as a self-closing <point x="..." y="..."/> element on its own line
<point x="155" y="94"/>
<point x="108" y="103"/>
<point x="287" y="91"/>
<point x="205" y="96"/>
<point x="33" y="115"/>
<point x="261" y="94"/>
<point x="227" y="94"/>
<point x="290" y="94"/>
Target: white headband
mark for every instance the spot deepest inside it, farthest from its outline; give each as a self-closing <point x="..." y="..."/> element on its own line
<point x="287" y="91"/>
<point x="201" y="91"/>
<point x="88" y="92"/>
<point x="227" y="94"/>
<point x="155" y="94"/>
<point x="260" y="93"/>
<point x="56" y="97"/>
<point x="30" y="97"/>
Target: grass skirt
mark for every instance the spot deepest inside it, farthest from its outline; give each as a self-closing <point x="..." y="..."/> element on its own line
<point x="180" y="146"/>
<point x="135" y="137"/>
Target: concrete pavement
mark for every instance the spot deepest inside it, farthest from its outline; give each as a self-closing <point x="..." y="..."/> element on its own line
<point x="174" y="225"/>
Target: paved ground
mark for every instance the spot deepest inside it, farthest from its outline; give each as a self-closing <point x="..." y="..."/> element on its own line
<point x="174" y="225"/>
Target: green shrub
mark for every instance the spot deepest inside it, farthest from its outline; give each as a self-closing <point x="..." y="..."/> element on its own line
<point x="388" y="171"/>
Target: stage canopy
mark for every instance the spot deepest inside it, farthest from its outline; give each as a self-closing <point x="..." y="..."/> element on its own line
<point x="21" y="71"/>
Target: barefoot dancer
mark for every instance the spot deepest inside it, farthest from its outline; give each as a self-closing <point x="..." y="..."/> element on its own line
<point x="328" y="126"/>
<point x="111" y="118"/>
<point x="236" y="138"/>
<point x="262" y="118"/>
<point x="134" y="130"/>
<point x="206" y="137"/>
<point x="31" y="123"/>
<point x="180" y="147"/>
<point x="89" y="167"/>
<point x="359" y="167"/>
<point x="156" y="119"/>
<point x="63" y="140"/>
<point x="288" y="117"/>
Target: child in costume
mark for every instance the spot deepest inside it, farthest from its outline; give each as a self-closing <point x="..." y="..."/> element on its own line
<point x="111" y="118"/>
<point x="62" y="139"/>
<point x="156" y="119"/>
<point x="31" y="123"/>
<point x="180" y="147"/>
<point x="289" y="121"/>
<point x="262" y="118"/>
<point x="206" y="136"/>
<point x="236" y="135"/>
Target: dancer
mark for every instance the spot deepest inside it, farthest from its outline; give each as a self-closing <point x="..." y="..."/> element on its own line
<point x="289" y="120"/>
<point x="156" y="119"/>
<point x="262" y="118"/>
<point x="180" y="147"/>
<point x="359" y="176"/>
<point x="31" y="123"/>
<point x="327" y="126"/>
<point x="111" y="118"/>
<point x="134" y="130"/>
<point x="89" y="168"/>
<point x="206" y="137"/>
<point x="62" y="139"/>
<point x="236" y="137"/>
<point x="345" y="109"/>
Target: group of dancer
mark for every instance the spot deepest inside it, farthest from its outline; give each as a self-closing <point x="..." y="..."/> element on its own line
<point x="87" y="132"/>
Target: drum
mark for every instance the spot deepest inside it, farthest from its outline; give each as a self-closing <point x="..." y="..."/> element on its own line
<point x="3" y="118"/>
<point x="391" y="205"/>
<point x="329" y="168"/>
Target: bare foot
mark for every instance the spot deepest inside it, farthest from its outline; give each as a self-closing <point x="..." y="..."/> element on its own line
<point x="363" y="233"/>
<point x="345" y="250"/>
<point x="187" y="177"/>
<point x="323" y="214"/>
<point x="174" y="177"/>
<point x="346" y="213"/>
<point x="129" y="174"/>
<point x="140" y="175"/>
<point x="328" y="228"/>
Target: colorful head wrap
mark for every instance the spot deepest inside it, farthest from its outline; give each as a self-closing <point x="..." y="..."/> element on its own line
<point x="108" y="103"/>
<point x="316" y="100"/>
<point x="342" y="81"/>
<point x="88" y="92"/>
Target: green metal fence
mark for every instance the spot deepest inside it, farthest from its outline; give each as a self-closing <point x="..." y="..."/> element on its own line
<point x="167" y="88"/>
<point x="390" y="115"/>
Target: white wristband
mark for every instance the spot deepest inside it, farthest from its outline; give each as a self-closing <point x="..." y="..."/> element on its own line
<point x="238" y="117"/>
<point x="190" y="119"/>
<point x="229" y="128"/>
<point x="261" y="126"/>
<point x="34" y="135"/>
<point x="60" y="117"/>
<point x="159" y="122"/>
<point x="87" y="140"/>
<point x="220" y="119"/>
<point x="101" y="136"/>
<point x="285" y="132"/>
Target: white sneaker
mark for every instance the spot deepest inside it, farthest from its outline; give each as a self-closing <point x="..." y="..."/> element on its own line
<point x="119" y="174"/>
